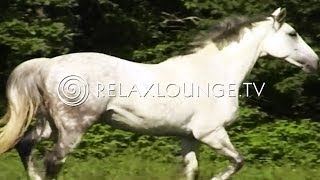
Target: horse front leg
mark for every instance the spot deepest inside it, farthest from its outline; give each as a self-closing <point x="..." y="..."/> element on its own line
<point x="219" y="140"/>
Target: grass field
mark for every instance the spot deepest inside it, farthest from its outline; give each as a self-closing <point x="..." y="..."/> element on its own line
<point x="132" y="167"/>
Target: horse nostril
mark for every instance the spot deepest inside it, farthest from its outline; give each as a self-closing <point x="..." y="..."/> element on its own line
<point x="317" y="64"/>
<point x="313" y="68"/>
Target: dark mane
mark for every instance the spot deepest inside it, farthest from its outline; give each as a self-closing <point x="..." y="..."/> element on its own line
<point x="226" y="31"/>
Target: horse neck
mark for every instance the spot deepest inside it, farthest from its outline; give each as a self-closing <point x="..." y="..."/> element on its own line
<point x="235" y="61"/>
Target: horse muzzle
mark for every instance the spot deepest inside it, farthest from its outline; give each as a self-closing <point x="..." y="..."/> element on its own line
<point x="310" y="66"/>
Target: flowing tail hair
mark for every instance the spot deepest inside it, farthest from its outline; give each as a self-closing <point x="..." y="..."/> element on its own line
<point x="23" y="100"/>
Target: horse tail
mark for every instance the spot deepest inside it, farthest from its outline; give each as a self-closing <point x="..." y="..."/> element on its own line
<point x="24" y="98"/>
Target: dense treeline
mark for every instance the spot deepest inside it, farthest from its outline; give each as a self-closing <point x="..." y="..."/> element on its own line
<point x="281" y="124"/>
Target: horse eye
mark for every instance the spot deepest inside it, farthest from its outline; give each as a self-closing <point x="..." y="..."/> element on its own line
<point x="293" y="34"/>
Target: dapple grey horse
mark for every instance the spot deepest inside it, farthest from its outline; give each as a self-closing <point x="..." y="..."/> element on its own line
<point x="68" y="93"/>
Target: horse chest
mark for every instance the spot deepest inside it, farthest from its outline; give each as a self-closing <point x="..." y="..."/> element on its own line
<point x="230" y="113"/>
<point x="223" y="113"/>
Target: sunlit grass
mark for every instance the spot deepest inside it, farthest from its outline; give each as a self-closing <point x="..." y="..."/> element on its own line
<point x="132" y="167"/>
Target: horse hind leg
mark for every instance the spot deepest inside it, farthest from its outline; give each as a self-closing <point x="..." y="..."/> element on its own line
<point x="41" y="130"/>
<point x="70" y="130"/>
<point x="55" y="159"/>
<point x="189" y="147"/>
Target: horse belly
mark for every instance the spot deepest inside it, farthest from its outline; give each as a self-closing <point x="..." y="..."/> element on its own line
<point x="129" y="121"/>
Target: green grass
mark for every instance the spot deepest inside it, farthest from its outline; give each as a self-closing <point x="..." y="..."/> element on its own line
<point x="133" y="167"/>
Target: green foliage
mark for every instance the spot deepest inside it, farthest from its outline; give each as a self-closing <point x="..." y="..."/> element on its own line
<point x="281" y="140"/>
<point x="34" y="38"/>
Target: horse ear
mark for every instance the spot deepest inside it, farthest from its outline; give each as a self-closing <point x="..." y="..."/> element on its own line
<point x="280" y="15"/>
<point x="276" y="12"/>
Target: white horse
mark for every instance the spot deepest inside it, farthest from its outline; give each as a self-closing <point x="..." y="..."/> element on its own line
<point x="128" y="95"/>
